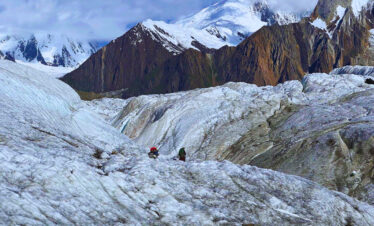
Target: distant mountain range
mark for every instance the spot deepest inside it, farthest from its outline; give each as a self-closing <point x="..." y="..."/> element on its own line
<point x="47" y="49"/>
<point x="224" y="23"/>
<point x="233" y="40"/>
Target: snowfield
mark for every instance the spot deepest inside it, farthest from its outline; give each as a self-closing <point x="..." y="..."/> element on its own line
<point x="62" y="163"/>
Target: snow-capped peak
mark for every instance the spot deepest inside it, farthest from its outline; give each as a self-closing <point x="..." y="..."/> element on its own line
<point x="225" y="23"/>
<point x="330" y="21"/>
<point x="47" y="49"/>
<point x="245" y="16"/>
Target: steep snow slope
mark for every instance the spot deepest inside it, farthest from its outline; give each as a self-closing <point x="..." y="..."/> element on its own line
<point x="62" y="164"/>
<point x="227" y="22"/>
<point x="320" y="128"/>
<point x="54" y="50"/>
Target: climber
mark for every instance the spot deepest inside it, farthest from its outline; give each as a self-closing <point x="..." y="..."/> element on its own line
<point x="182" y="155"/>
<point x="153" y="153"/>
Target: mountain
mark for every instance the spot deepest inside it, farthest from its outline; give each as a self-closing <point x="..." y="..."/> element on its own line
<point x="145" y="61"/>
<point x="320" y="129"/>
<point x="317" y="44"/>
<point x="60" y="163"/>
<point x="47" y="49"/>
<point x="224" y="23"/>
<point x="156" y="57"/>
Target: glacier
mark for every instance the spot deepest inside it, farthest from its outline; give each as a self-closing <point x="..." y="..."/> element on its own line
<point x="62" y="162"/>
<point x="319" y="128"/>
<point x="200" y="119"/>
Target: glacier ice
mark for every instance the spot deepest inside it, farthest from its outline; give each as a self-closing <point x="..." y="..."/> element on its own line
<point x="319" y="128"/>
<point x="62" y="163"/>
<point x="208" y="121"/>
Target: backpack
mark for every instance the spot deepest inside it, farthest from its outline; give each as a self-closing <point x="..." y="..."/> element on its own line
<point x="182" y="152"/>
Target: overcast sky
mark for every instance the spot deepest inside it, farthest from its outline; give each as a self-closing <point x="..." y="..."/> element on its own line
<point x="102" y="19"/>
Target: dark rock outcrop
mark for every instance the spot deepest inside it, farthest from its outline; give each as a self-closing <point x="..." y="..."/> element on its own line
<point x="7" y="56"/>
<point x="130" y="62"/>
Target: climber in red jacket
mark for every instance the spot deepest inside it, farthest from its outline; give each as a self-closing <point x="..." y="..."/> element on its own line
<point x="153" y="153"/>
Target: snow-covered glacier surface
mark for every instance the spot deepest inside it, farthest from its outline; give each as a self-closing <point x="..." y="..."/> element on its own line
<point x="208" y="121"/>
<point x="61" y="163"/>
<point x="320" y="128"/>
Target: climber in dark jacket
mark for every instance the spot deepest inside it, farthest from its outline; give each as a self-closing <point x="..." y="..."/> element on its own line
<point x="153" y="153"/>
<point x="182" y="155"/>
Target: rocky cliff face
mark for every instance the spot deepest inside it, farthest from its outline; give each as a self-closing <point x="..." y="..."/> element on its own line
<point x="330" y="38"/>
<point x="275" y="54"/>
<point x="279" y="53"/>
<point x="147" y="55"/>
<point x="114" y="66"/>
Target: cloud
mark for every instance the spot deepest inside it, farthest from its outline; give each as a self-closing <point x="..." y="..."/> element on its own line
<point x="102" y="19"/>
<point x="98" y="19"/>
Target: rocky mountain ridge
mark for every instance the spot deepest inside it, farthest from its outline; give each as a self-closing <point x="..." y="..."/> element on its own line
<point x="173" y="57"/>
<point x="271" y="55"/>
